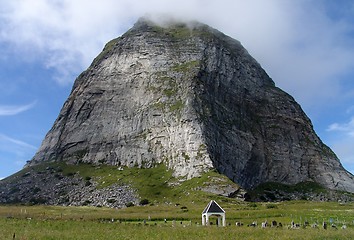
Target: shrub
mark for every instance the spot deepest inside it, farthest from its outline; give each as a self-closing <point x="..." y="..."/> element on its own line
<point x="271" y="196"/>
<point x="272" y="206"/>
<point x="184" y="209"/>
<point x="65" y="200"/>
<point x="37" y="201"/>
<point x="87" y="202"/>
<point x="144" y="202"/>
<point x="111" y="200"/>
<point x="253" y="205"/>
<point x="129" y="204"/>
<point x="58" y="176"/>
<point x="36" y="190"/>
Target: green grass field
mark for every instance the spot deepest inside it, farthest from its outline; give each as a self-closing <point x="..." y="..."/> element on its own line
<point x="182" y="222"/>
<point x="181" y="206"/>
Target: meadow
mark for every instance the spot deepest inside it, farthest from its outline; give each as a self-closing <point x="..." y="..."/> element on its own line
<point x="167" y="221"/>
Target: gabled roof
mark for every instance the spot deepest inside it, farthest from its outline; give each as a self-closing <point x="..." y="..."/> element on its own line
<point x="213" y="207"/>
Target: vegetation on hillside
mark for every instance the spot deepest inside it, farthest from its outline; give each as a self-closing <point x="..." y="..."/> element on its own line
<point x="171" y="209"/>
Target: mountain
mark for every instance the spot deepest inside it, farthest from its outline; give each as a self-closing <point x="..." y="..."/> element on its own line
<point x="188" y="97"/>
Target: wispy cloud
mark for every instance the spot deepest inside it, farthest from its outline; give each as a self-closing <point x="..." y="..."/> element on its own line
<point x="301" y="46"/>
<point x="14" y="152"/>
<point x="346" y="128"/>
<point x="6" y="141"/>
<point x="343" y="147"/>
<point x="7" y="110"/>
<point x="350" y="110"/>
<point x="341" y="140"/>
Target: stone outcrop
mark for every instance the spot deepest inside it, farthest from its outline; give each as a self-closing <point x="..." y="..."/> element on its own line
<point x="190" y="97"/>
<point x="51" y="186"/>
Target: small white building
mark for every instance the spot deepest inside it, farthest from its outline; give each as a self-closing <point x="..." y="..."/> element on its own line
<point x="213" y="209"/>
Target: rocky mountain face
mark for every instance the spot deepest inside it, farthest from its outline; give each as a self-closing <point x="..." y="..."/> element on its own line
<point x="192" y="98"/>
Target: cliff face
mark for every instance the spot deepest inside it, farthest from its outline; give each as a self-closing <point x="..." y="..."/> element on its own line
<point x="194" y="99"/>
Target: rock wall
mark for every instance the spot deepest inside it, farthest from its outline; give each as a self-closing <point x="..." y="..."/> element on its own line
<point x="192" y="98"/>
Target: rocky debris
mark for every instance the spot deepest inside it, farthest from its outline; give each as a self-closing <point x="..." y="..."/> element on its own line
<point x="226" y="191"/>
<point x="115" y="196"/>
<point x="190" y="97"/>
<point x="279" y="195"/>
<point x="220" y="186"/>
<point x="52" y="187"/>
<point x="312" y="191"/>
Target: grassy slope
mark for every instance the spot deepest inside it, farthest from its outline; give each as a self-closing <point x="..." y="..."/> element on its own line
<point x="184" y="202"/>
<point x="155" y="184"/>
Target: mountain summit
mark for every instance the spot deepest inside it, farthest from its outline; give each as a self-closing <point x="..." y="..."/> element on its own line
<point x="191" y="98"/>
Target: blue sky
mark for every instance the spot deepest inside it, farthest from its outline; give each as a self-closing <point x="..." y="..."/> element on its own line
<point x="307" y="47"/>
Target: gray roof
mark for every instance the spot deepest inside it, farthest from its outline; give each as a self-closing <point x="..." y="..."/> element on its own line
<point x="213" y="207"/>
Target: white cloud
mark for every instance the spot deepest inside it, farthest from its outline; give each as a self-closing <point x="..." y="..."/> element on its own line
<point x="350" y="110"/>
<point x="346" y="128"/>
<point x="342" y="142"/>
<point x="303" y="45"/>
<point x="299" y="44"/>
<point x="6" y="110"/>
<point x="343" y="147"/>
<point x="14" y="152"/>
<point x="18" y="144"/>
